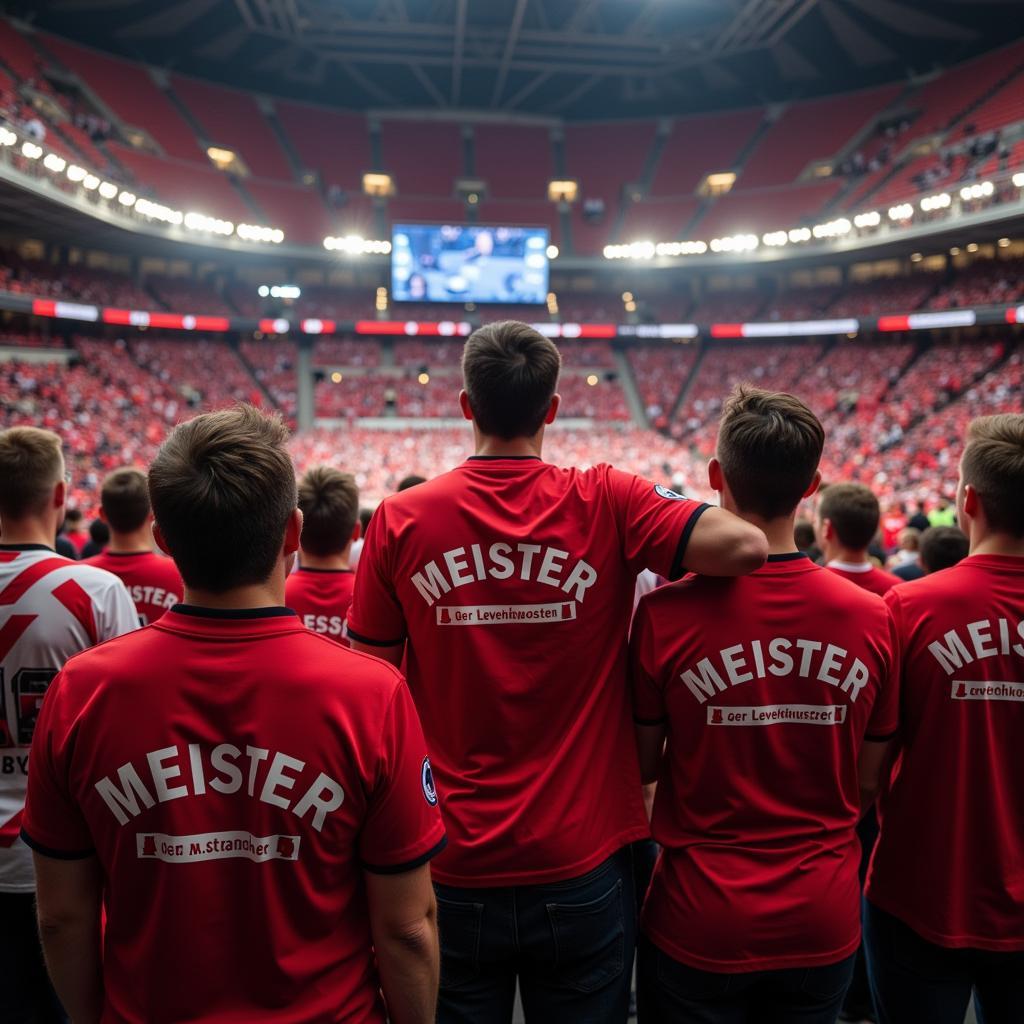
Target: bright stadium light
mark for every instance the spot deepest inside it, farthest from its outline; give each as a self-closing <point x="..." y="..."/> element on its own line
<point x="76" y="173"/>
<point x="552" y="252"/>
<point x="91" y="182"/>
<point x="31" y="150"/>
<point x="1018" y="179"/>
<point x="7" y="137"/>
<point x="127" y="198"/>
<point x="903" y="211"/>
<point x="867" y="220"/>
<point x="937" y="202"/>
<point x="54" y="162"/>
<point x="108" y="189"/>
<point x="775" y="238"/>
<point x="800" y="235"/>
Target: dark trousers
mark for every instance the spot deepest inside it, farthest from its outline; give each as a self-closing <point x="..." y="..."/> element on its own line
<point x="857" y="1004"/>
<point x="669" y="992"/>
<point x="26" y="995"/>
<point x="570" y="945"/>
<point x="915" y="980"/>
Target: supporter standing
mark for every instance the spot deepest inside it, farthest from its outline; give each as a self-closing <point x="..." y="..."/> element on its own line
<point x="99" y="538"/>
<point x="320" y="589"/>
<point x="846" y="524"/>
<point x="777" y="692"/>
<point x="906" y="562"/>
<point x="152" y="580"/>
<point x="508" y="584"/>
<point x="943" y="547"/>
<point x="74" y="529"/>
<point x="51" y="607"/>
<point x="944" y="908"/>
<point x="273" y="803"/>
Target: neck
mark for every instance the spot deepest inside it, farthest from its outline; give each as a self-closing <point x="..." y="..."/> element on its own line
<point x="999" y="544"/>
<point x="28" y="531"/>
<point x="496" y="447"/>
<point x="778" y="531"/>
<point x="269" y="594"/>
<point x="131" y="542"/>
<point x="335" y="561"/>
<point x="841" y="553"/>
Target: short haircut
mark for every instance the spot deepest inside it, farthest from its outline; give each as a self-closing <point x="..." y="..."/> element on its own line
<point x="412" y="480"/>
<point x="73" y="517"/>
<point x="365" y="515"/>
<point x="769" y="446"/>
<point x="993" y="464"/>
<point x="124" y="498"/>
<point x="510" y="372"/>
<point x="853" y="511"/>
<point x="31" y="464"/>
<point x="222" y="488"/>
<point x="99" y="532"/>
<point x="942" y="547"/>
<point x="910" y="538"/>
<point x="329" y="500"/>
<point x="803" y="535"/>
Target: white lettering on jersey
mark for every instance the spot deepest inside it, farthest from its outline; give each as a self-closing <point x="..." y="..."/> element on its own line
<point x="501" y="562"/>
<point x="985" y="639"/>
<point x="128" y="796"/>
<point x="331" y="625"/>
<point x="152" y="595"/>
<point x="743" y="662"/>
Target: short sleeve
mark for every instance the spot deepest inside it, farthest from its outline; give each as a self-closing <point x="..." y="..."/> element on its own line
<point x="654" y="523"/>
<point x="403" y="826"/>
<point x="885" y="715"/>
<point x="375" y="616"/>
<point x="53" y="823"/>
<point x="648" y="697"/>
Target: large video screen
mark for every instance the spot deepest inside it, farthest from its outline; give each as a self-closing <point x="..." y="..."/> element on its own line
<point x="468" y="263"/>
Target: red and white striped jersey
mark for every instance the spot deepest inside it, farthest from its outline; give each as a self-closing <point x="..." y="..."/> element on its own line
<point x="50" y="608"/>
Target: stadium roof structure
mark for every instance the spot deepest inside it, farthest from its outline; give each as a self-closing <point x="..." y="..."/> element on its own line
<point x="553" y="58"/>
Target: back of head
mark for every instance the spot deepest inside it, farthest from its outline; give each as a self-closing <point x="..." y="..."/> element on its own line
<point x="510" y="372"/>
<point x="412" y="480"/>
<point x="803" y="535"/>
<point x="222" y="488"/>
<point x="993" y="464"/>
<point x="942" y="547"/>
<point x="99" y="533"/>
<point x="910" y="538"/>
<point x="124" y="499"/>
<point x="769" y="446"/>
<point x="31" y="465"/>
<point x="329" y="500"/>
<point x="853" y="511"/>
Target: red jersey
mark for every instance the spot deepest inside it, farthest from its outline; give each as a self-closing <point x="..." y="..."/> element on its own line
<point x="769" y="685"/>
<point x="950" y="858"/>
<point x="270" y="769"/>
<point x="321" y="598"/>
<point x="152" y="580"/>
<point x="892" y="526"/>
<point x="866" y="575"/>
<point x="513" y="581"/>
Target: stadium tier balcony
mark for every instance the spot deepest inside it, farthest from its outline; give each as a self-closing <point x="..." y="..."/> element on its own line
<point x="298" y="210"/>
<point x="334" y="144"/>
<point x="800" y="303"/>
<point x="206" y="374"/>
<point x="742" y="211"/>
<point x="184" y="295"/>
<point x="895" y="294"/>
<point x="985" y="282"/>
<point x="730" y="308"/>
<point x="347" y="352"/>
<point x="423" y="157"/>
<point x="524" y="177"/>
<point x="660" y="373"/>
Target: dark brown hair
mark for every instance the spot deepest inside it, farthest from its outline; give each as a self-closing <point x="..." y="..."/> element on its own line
<point x="942" y="547"/>
<point x="31" y="464"/>
<point x="329" y="500"/>
<point x="993" y="464"/>
<point x="124" y="499"/>
<point x="222" y="488"/>
<point x="510" y="373"/>
<point x="853" y="511"/>
<point x="769" y="445"/>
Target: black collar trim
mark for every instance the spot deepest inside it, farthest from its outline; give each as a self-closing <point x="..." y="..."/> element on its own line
<point x="310" y="568"/>
<point x="231" y="613"/>
<point x="127" y="554"/>
<point x="503" y="458"/>
<point x="25" y="547"/>
<point x="790" y="556"/>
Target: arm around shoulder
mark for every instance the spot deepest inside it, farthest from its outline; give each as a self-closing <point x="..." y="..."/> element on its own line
<point x="724" y="545"/>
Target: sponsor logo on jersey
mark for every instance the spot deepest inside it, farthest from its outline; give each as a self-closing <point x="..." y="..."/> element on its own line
<point x="504" y="614"/>
<point x="986" y="689"/>
<point x="665" y="492"/>
<point x="215" y="846"/>
<point x="427" y="781"/>
<point x="779" y="714"/>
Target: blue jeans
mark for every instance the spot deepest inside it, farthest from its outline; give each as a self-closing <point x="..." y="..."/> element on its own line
<point x="570" y="944"/>
<point x="915" y="980"/>
<point x="669" y="992"/>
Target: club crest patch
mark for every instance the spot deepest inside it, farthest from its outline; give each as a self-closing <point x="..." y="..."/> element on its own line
<point x="664" y="492"/>
<point x="427" y="782"/>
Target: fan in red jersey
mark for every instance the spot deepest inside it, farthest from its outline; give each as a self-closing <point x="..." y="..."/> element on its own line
<point x="151" y="579"/>
<point x="509" y="584"/>
<point x="253" y="803"/>
<point x="777" y="692"/>
<point x="320" y="589"/>
<point x="846" y="525"/>
<point x="50" y="608"/>
<point x="945" y="894"/>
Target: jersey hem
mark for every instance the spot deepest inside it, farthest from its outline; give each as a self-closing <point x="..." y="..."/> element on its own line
<point x="408" y="865"/>
<point x="560" y="874"/>
<point x="749" y="964"/>
<point x="49" y="851"/>
<point x="940" y="938"/>
<point x="676" y="571"/>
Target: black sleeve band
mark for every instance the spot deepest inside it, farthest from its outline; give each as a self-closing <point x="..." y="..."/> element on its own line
<point x="650" y="721"/>
<point x="47" y="851"/>
<point x="352" y="635"/>
<point x="881" y="739"/>
<point x="409" y="865"/>
<point x="677" y="563"/>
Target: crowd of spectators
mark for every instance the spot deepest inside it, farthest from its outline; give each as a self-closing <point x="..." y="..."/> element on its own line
<point x="659" y="373"/>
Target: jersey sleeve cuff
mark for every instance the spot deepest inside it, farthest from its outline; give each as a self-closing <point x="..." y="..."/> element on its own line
<point x="409" y="865"/>
<point x="880" y="737"/>
<point x="677" y="563"/>
<point x="359" y="638"/>
<point x="49" y="851"/>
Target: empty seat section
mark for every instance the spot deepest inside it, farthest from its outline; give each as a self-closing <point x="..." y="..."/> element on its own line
<point x="520" y="212"/>
<point x="657" y="220"/>
<point x="423" y="158"/>
<point x="514" y="160"/>
<point x="127" y="89"/>
<point x="699" y="146"/>
<point x="297" y="209"/>
<point x="816" y="130"/>
<point x="17" y="52"/>
<point x="184" y="185"/>
<point x="234" y="120"/>
<point x="335" y="145"/>
<point x="741" y="212"/>
<point x="433" y="211"/>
